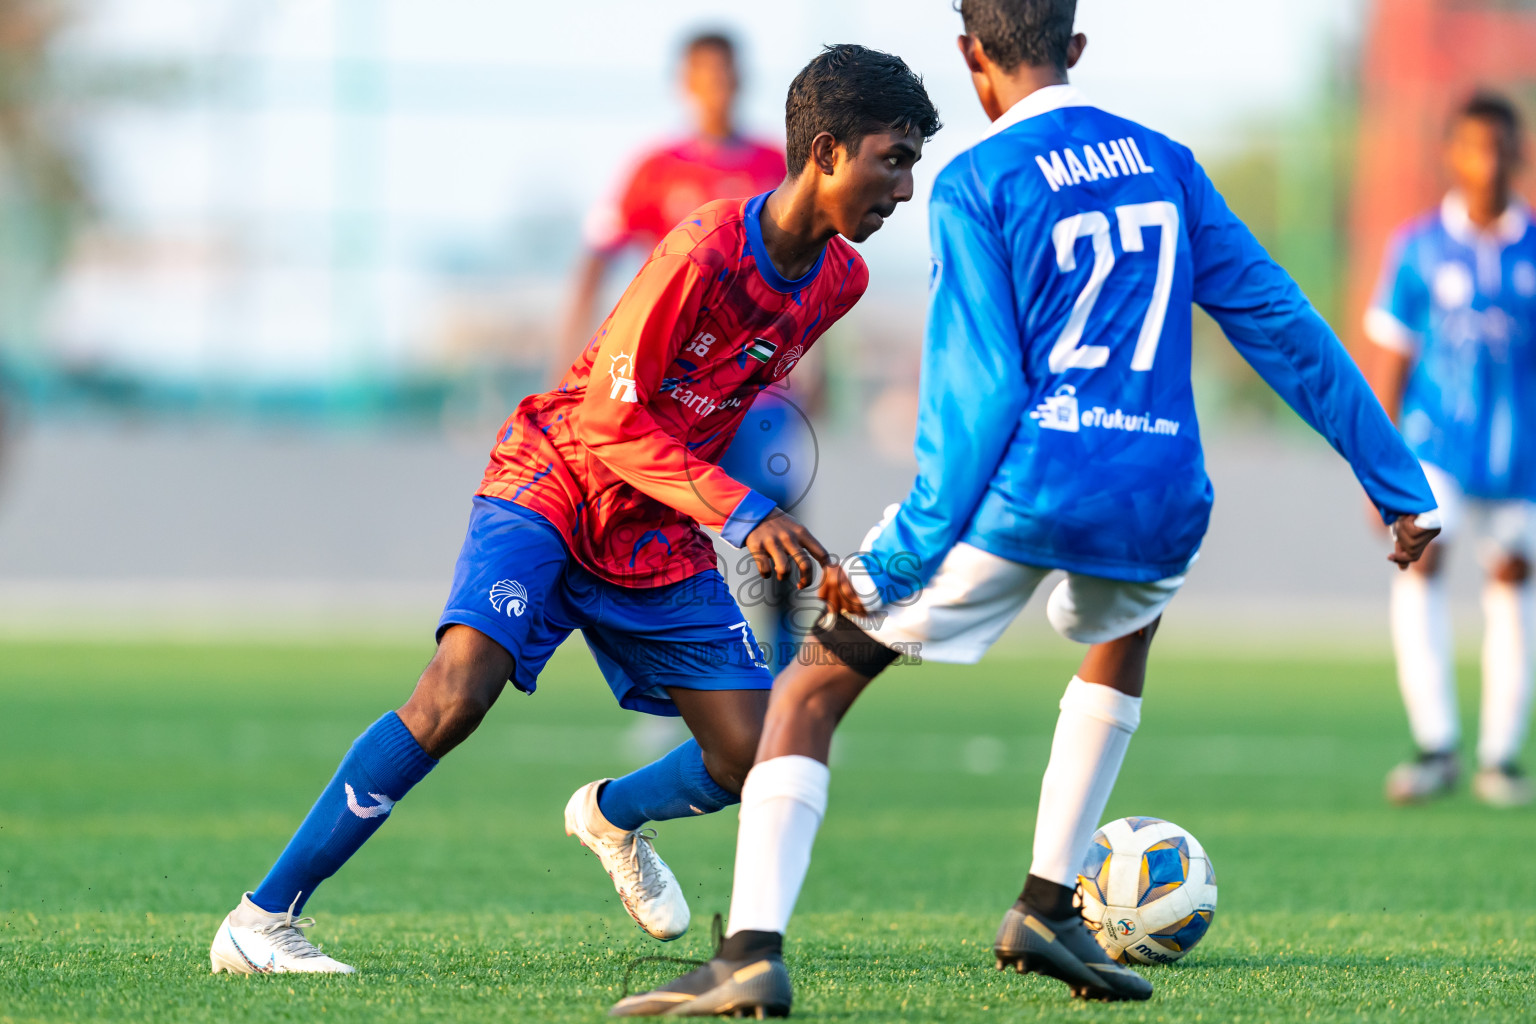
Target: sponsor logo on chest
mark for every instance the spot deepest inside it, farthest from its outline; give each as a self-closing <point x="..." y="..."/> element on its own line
<point x="701" y="404"/>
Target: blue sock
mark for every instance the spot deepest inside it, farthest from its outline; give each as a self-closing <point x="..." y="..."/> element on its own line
<point x="674" y="787"/>
<point x="380" y="768"/>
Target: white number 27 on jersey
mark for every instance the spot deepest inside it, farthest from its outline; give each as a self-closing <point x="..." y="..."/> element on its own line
<point x="1069" y="352"/>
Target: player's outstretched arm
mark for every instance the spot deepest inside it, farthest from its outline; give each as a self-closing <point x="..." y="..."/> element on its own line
<point x="1270" y="322"/>
<point x="1386" y="371"/>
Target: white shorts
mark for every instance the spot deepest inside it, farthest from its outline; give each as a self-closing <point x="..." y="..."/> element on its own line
<point x="1502" y="527"/>
<point x="975" y="594"/>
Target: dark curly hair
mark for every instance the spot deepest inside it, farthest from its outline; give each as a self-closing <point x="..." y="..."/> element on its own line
<point x="852" y="91"/>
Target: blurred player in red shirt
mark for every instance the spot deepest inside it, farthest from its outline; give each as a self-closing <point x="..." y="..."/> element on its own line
<point x="589" y="516"/>
<point x="676" y="178"/>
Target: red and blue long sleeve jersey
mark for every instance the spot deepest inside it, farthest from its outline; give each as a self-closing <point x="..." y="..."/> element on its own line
<point x="620" y="457"/>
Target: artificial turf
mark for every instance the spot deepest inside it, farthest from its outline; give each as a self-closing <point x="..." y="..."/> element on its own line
<point x="143" y="787"/>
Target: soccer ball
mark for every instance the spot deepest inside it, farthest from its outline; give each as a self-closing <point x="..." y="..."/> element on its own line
<point x="1148" y="890"/>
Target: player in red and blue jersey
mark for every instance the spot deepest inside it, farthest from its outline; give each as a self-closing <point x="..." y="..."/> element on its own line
<point x="773" y="452"/>
<point x="590" y="513"/>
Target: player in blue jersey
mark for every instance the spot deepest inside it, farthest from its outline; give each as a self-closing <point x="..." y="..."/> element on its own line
<point x="1454" y="360"/>
<point x="1057" y="431"/>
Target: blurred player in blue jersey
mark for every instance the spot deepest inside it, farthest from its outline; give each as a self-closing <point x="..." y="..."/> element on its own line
<point x="1057" y="431"/>
<point x="1454" y="360"/>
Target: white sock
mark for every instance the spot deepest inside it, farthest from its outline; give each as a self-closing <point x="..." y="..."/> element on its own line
<point x="1421" y="638"/>
<point x="1506" y="672"/>
<point x="1092" y="733"/>
<point x="782" y="803"/>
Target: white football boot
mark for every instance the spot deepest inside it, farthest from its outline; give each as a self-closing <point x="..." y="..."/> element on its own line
<point x="1424" y="778"/>
<point x="255" y="941"/>
<point x="1504" y="786"/>
<point x="644" y="882"/>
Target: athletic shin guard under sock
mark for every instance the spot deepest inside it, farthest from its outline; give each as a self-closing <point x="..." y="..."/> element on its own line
<point x="782" y="805"/>
<point x="380" y="768"/>
<point x="1421" y="639"/>
<point x="1047" y="898"/>
<point x="1506" y="708"/>
<point x="1092" y="734"/>
<point x="676" y="786"/>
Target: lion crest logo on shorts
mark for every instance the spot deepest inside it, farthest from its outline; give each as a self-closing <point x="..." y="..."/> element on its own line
<point x="511" y="594"/>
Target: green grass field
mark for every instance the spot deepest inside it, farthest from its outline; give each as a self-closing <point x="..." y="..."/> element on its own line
<point x="143" y="787"/>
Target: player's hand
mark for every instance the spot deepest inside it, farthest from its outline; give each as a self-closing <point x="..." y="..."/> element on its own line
<point x="1410" y="540"/>
<point x="782" y="547"/>
<point x="837" y="591"/>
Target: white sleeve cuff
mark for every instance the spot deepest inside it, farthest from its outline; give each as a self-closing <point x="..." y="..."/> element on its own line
<point x="1389" y="332"/>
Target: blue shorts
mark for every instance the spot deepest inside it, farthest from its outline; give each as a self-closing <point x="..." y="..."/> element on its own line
<point x="516" y="583"/>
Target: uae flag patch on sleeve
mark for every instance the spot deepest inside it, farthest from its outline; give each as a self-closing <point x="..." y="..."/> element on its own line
<point x="762" y="349"/>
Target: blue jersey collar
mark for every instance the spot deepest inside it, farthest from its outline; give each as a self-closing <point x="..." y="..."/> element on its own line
<point x="751" y="219"/>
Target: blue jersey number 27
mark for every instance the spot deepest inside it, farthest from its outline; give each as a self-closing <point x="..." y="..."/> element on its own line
<point x="1069" y="352"/>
